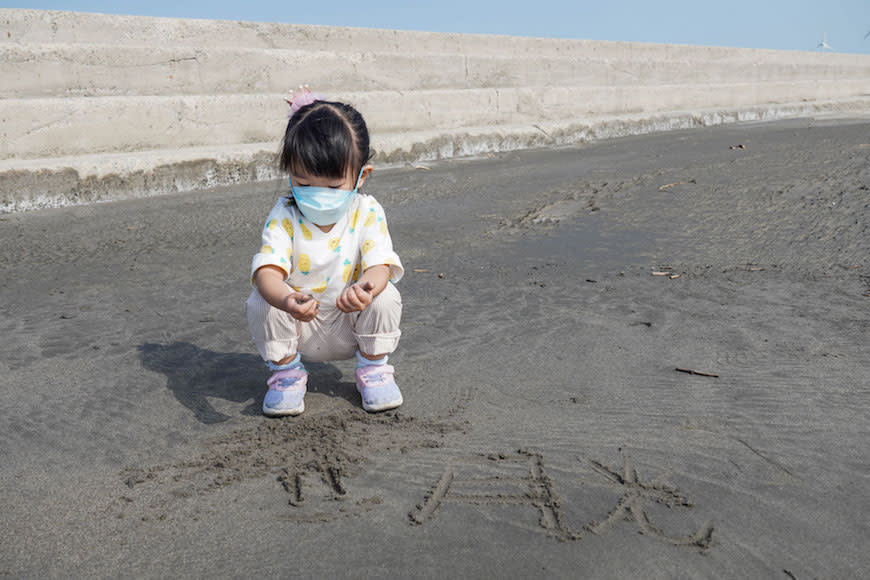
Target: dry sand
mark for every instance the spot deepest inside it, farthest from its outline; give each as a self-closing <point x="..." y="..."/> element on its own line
<point x="546" y="430"/>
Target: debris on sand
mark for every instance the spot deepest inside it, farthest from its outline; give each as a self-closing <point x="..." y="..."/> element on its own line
<point x="670" y="185"/>
<point x="699" y="373"/>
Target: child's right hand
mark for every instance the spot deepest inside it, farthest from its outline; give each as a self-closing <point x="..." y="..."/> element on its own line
<point x="302" y="307"/>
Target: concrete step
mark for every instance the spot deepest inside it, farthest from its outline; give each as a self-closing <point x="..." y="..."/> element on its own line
<point x="50" y="182"/>
<point x="72" y="70"/>
<point x="46" y="26"/>
<point x="26" y="27"/>
<point x="55" y="127"/>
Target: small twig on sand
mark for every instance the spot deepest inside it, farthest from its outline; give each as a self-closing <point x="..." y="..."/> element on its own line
<point x="694" y="372"/>
<point x="669" y="185"/>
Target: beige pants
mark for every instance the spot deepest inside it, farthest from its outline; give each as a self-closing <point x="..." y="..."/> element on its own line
<point x="333" y="335"/>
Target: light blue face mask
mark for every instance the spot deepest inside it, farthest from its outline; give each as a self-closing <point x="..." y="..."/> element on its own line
<point x="323" y="206"/>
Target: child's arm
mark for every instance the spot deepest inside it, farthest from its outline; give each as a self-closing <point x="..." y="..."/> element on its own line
<point x="269" y="281"/>
<point x="358" y="296"/>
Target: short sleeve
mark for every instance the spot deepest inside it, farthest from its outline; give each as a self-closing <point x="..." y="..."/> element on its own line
<point x="376" y="246"/>
<point x="276" y="246"/>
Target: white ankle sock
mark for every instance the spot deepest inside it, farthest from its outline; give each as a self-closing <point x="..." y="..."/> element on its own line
<point x="296" y="362"/>
<point x="362" y="361"/>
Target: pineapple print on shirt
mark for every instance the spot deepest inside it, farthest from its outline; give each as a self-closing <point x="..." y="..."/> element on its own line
<point x="324" y="263"/>
<point x="306" y="233"/>
<point x="353" y="220"/>
<point x="304" y="263"/>
<point x="371" y="217"/>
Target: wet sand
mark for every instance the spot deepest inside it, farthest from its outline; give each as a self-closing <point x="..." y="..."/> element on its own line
<point x="550" y="298"/>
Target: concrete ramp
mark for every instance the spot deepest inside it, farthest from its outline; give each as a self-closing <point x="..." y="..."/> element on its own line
<point x="96" y="107"/>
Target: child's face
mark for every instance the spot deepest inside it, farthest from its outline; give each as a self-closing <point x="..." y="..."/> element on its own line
<point x="304" y="180"/>
<point x="347" y="183"/>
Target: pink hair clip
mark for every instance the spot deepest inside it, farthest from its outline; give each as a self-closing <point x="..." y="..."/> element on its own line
<point x="303" y="98"/>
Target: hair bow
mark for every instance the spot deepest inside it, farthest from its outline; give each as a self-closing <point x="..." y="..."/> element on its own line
<point x="302" y="98"/>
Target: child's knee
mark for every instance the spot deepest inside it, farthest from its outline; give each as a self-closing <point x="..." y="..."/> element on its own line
<point x="256" y="306"/>
<point x="388" y="300"/>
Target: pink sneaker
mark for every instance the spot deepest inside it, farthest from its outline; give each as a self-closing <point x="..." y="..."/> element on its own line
<point x="286" y="393"/>
<point x="378" y="388"/>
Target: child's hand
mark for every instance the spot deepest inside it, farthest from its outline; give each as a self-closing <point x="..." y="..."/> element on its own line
<point x="302" y="307"/>
<point x="355" y="297"/>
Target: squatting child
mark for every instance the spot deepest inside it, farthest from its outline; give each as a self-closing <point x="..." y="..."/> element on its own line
<point x="323" y="278"/>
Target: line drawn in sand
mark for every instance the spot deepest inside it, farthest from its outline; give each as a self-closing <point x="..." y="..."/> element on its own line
<point x="310" y="458"/>
<point x="531" y="486"/>
<point x="331" y="476"/>
<point x="630" y="506"/>
<point x="537" y="490"/>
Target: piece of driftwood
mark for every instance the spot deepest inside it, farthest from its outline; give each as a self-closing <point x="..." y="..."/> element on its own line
<point x="699" y="373"/>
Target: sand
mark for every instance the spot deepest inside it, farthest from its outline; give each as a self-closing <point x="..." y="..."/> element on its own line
<point x="550" y="298"/>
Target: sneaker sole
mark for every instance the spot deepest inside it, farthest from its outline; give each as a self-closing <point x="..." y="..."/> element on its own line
<point x="383" y="406"/>
<point x="284" y="412"/>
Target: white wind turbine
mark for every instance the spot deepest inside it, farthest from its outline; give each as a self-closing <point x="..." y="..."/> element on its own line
<point x="823" y="45"/>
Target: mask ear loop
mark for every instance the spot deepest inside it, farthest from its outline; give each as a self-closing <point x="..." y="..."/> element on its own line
<point x="359" y="179"/>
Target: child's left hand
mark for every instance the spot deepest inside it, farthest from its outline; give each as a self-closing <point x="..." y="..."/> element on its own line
<point x="355" y="297"/>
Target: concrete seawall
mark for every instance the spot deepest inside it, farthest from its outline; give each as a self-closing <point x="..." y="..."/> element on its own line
<point x="99" y="107"/>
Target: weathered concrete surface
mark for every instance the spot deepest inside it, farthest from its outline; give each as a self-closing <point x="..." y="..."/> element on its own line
<point x="95" y="106"/>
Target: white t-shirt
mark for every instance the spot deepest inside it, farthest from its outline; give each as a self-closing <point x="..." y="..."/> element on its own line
<point x="323" y="264"/>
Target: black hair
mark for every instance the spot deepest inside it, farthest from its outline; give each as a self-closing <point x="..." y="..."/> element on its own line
<point x="326" y="139"/>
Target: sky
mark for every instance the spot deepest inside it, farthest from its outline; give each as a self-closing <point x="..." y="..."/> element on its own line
<point x="773" y="24"/>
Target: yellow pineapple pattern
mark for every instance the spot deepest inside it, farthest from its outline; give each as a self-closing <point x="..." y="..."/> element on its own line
<point x="333" y="244"/>
<point x="306" y="233"/>
<point x="267" y="250"/>
<point x="304" y="263"/>
<point x="354" y="219"/>
<point x="271" y="224"/>
<point x="356" y="273"/>
<point x="370" y="219"/>
<point x="321" y="288"/>
<point x="367" y="246"/>
<point x="345" y="275"/>
<point x="383" y="227"/>
<point x="288" y="227"/>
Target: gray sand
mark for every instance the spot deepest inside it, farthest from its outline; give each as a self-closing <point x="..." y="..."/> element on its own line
<point x="546" y="430"/>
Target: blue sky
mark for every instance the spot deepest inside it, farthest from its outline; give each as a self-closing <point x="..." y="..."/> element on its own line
<point x="776" y="24"/>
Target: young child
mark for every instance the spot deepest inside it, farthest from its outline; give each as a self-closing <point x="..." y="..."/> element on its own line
<point x="323" y="278"/>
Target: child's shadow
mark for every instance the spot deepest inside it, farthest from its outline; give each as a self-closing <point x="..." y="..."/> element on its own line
<point x="195" y="374"/>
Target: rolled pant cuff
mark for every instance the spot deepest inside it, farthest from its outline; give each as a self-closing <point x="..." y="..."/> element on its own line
<point x="275" y="350"/>
<point x="378" y="343"/>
